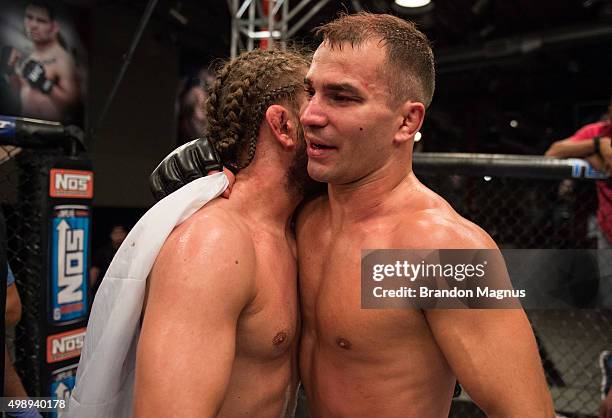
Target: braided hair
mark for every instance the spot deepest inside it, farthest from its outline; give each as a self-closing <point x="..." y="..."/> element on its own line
<point x="244" y="89"/>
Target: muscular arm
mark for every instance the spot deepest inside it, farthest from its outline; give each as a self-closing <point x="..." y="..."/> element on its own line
<point x="596" y="162"/>
<point x="66" y="89"/>
<point x="199" y="285"/>
<point x="12" y="384"/>
<point x="13" y="306"/>
<point x="494" y="354"/>
<point x="567" y="148"/>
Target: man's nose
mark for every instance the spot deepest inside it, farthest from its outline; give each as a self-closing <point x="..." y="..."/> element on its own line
<point x="313" y="114"/>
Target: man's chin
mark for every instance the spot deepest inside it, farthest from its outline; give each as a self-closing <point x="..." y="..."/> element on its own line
<point x="318" y="173"/>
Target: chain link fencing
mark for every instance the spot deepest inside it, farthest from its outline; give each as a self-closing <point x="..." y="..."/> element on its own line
<point x="518" y="209"/>
<point x="536" y="203"/>
<point x="21" y="192"/>
<point x="40" y="166"/>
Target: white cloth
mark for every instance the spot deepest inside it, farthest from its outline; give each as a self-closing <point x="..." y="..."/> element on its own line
<point x="105" y="376"/>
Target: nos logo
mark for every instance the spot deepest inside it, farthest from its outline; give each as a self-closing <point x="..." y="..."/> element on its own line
<point x="74" y="182"/>
<point x="71" y="183"/>
<point x="65" y="345"/>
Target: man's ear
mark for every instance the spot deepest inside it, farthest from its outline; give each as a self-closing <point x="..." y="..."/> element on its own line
<point x="412" y="114"/>
<point x="281" y="126"/>
<point x="55" y="28"/>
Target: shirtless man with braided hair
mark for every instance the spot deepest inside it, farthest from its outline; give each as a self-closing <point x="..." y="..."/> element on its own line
<point x="221" y="310"/>
<point x="359" y="124"/>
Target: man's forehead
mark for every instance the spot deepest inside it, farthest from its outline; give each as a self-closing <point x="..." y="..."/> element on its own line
<point x="37" y="11"/>
<point x="346" y="64"/>
<point x="327" y="50"/>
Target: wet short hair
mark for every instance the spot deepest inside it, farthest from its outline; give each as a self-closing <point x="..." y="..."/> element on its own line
<point x="243" y="90"/>
<point x="410" y="66"/>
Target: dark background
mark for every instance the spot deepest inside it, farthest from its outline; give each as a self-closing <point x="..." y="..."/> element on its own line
<point x="546" y="65"/>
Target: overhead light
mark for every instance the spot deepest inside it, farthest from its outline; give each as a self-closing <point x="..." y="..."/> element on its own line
<point x="412" y="3"/>
<point x="415" y="9"/>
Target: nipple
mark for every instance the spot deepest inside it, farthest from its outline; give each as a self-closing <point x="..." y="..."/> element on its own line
<point x="279" y="338"/>
<point x="343" y="343"/>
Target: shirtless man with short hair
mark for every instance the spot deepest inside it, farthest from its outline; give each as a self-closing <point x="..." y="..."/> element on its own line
<point x="47" y="78"/>
<point x="368" y="86"/>
<point x="221" y="321"/>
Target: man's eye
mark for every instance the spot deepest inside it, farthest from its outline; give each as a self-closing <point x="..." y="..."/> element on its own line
<point x="341" y="98"/>
<point x="309" y="92"/>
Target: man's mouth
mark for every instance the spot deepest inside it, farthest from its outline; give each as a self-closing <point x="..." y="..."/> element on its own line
<point x="320" y="146"/>
<point x="318" y="149"/>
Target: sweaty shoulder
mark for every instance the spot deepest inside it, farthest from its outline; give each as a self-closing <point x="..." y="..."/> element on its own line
<point x="213" y="241"/>
<point x="64" y="65"/>
<point x="62" y="56"/>
<point x="437" y="225"/>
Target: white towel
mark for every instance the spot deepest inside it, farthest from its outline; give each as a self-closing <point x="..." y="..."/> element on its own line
<point x="105" y="376"/>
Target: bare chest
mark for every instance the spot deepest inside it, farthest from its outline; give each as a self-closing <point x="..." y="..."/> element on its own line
<point x="50" y="63"/>
<point x="330" y="290"/>
<point x="268" y="327"/>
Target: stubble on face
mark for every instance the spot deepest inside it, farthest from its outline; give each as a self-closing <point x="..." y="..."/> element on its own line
<point x="362" y="123"/>
<point x="298" y="179"/>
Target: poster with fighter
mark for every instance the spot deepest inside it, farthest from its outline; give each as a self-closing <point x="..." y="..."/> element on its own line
<point x="43" y="69"/>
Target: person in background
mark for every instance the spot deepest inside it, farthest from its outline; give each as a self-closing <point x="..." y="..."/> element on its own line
<point x="13" y="301"/>
<point x="13" y="388"/>
<point x="592" y="142"/>
<point x="104" y="255"/>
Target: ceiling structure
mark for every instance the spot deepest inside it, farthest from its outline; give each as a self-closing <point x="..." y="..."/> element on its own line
<point x="512" y="75"/>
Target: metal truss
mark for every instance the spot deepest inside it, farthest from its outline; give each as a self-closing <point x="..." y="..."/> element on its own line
<point x="252" y="22"/>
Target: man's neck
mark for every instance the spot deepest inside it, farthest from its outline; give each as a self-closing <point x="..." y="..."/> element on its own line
<point x="370" y="197"/>
<point x="262" y="196"/>
<point x="44" y="47"/>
